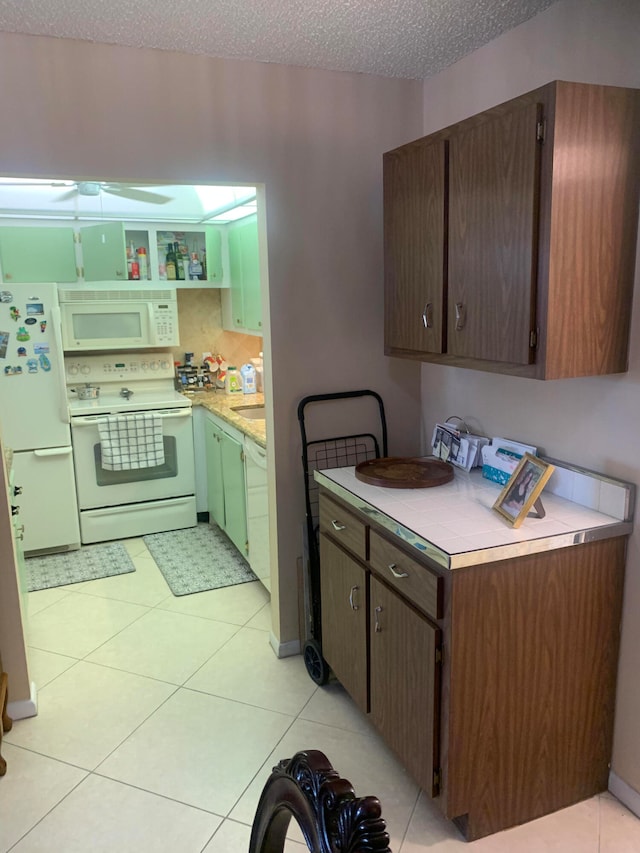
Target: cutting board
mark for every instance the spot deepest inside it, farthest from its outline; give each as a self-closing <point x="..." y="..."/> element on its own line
<point x="396" y="472"/>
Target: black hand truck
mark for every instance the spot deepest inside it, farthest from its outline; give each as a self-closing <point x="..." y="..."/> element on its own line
<point x="317" y="455"/>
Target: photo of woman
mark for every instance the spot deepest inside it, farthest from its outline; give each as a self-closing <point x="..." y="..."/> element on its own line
<point x="522" y="489"/>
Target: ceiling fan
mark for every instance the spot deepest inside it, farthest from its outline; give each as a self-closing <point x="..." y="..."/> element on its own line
<point x="94" y="188"/>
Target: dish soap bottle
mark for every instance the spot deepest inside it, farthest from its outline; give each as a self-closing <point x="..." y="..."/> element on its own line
<point x="232" y="381"/>
<point x="248" y="373"/>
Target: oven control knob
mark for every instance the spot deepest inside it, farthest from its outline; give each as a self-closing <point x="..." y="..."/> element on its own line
<point x="164" y="365"/>
<point x="85" y="369"/>
<point x="154" y="365"/>
<point x="73" y="370"/>
<point x="144" y="365"/>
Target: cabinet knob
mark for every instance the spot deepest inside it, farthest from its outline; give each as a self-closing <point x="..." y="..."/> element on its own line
<point x="354" y="606"/>
<point x="377" y="613"/>
<point x="427" y="315"/>
<point x="392" y="569"/>
<point x="461" y="316"/>
<point x="338" y="525"/>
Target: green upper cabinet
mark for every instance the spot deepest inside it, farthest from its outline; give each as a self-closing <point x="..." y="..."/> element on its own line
<point x="213" y="242"/>
<point x="235" y="276"/>
<point x="251" y="296"/>
<point x="37" y="254"/>
<point x="244" y="264"/>
<point x="104" y="253"/>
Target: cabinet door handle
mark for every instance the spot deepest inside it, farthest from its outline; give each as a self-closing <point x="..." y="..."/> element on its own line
<point x="427" y="315"/>
<point x="351" y="601"/>
<point x="392" y="569"/>
<point x="378" y="627"/>
<point x="338" y="525"/>
<point x="461" y="316"/>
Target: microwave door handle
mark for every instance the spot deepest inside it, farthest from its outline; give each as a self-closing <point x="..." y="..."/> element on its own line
<point x="56" y="322"/>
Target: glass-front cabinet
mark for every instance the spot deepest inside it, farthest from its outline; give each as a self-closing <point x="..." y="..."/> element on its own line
<point x="185" y="255"/>
<point x="116" y="251"/>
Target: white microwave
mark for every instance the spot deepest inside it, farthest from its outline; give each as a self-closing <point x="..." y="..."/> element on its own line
<point x="118" y="319"/>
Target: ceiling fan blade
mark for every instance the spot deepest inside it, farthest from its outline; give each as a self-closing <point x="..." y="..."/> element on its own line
<point x="138" y="195"/>
<point x="66" y="196"/>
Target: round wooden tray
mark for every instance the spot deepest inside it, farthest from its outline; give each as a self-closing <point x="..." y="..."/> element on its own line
<point x="396" y="472"/>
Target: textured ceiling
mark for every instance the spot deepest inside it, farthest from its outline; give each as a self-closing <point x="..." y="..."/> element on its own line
<point x="393" y="38"/>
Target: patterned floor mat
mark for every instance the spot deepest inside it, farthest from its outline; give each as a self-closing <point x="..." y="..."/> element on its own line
<point x="197" y="559"/>
<point x="88" y="563"/>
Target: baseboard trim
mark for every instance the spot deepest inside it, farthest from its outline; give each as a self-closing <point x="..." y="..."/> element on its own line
<point x="625" y="793"/>
<point x="284" y="650"/>
<point x="23" y="708"/>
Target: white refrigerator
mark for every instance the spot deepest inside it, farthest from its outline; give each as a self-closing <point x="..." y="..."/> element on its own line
<point x="34" y="415"/>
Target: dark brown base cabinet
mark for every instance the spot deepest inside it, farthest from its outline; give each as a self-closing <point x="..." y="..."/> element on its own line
<point x="510" y="237"/>
<point x="494" y="684"/>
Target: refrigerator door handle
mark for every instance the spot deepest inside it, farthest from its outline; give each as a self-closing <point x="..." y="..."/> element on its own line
<point x="56" y="321"/>
<point x="53" y="451"/>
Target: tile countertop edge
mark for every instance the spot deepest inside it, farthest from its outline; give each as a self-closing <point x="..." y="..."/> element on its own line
<point x="222" y="405"/>
<point x="443" y="559"/>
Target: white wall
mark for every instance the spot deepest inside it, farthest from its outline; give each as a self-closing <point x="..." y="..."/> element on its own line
<point x="314" y="139"/>
<point x="592" y="422"/>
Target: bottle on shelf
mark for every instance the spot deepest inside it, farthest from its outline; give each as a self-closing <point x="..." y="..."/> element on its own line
<point x="170" y="264"/>
<point x="195" y="267"/>
<point x="143" y="266"/>
<point x="180" y="276"/>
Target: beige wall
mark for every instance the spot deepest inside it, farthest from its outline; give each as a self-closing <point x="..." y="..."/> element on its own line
<point x="592" y="422"/>
<point x="12" y="616"/>
<point x="314" y="139"/>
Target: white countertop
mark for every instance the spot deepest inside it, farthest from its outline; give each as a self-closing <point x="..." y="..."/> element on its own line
<point x="455" y="526"/>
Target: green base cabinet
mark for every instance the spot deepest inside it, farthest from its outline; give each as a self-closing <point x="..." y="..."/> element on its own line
<point x="30" y="255"/>
<point x="215" y="486"/>
<point x="226" y="491"/>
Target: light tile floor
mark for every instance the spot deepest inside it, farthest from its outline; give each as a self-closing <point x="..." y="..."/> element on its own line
<point x="161" y="717"/>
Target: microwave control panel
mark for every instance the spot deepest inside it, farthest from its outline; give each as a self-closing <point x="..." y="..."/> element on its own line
<point x="165" y="320"/>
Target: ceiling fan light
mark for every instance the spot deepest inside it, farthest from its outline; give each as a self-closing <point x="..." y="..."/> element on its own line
<point x="88" y="188"/>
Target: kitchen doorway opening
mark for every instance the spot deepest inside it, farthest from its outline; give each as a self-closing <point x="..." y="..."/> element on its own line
<point x="218" y="315"/>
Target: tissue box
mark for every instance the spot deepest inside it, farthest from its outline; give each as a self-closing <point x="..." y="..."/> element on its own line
<point x="499" y="463"/>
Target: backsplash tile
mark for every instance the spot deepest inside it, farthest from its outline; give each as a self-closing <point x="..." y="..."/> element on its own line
<point x="200" y="319"/>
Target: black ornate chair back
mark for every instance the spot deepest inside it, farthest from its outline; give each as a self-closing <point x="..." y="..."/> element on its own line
<point x="331" y="817"/>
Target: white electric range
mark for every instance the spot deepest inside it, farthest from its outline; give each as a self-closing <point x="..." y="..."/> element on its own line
<point x="130" y="498"/>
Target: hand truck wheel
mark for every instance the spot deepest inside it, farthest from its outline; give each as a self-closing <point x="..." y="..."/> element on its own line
<point x="317" y="667"/>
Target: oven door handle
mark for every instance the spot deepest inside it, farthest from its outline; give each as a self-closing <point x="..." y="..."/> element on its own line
<point x="91" y="420"/>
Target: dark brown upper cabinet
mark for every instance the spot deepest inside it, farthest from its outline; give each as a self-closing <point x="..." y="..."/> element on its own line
<point x="510" y="237"/>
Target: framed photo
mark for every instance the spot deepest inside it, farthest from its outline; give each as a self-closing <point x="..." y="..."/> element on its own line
<point x="523" y="489"/>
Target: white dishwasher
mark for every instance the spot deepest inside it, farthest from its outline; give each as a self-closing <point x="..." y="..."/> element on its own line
<point x="257" y="510"/>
